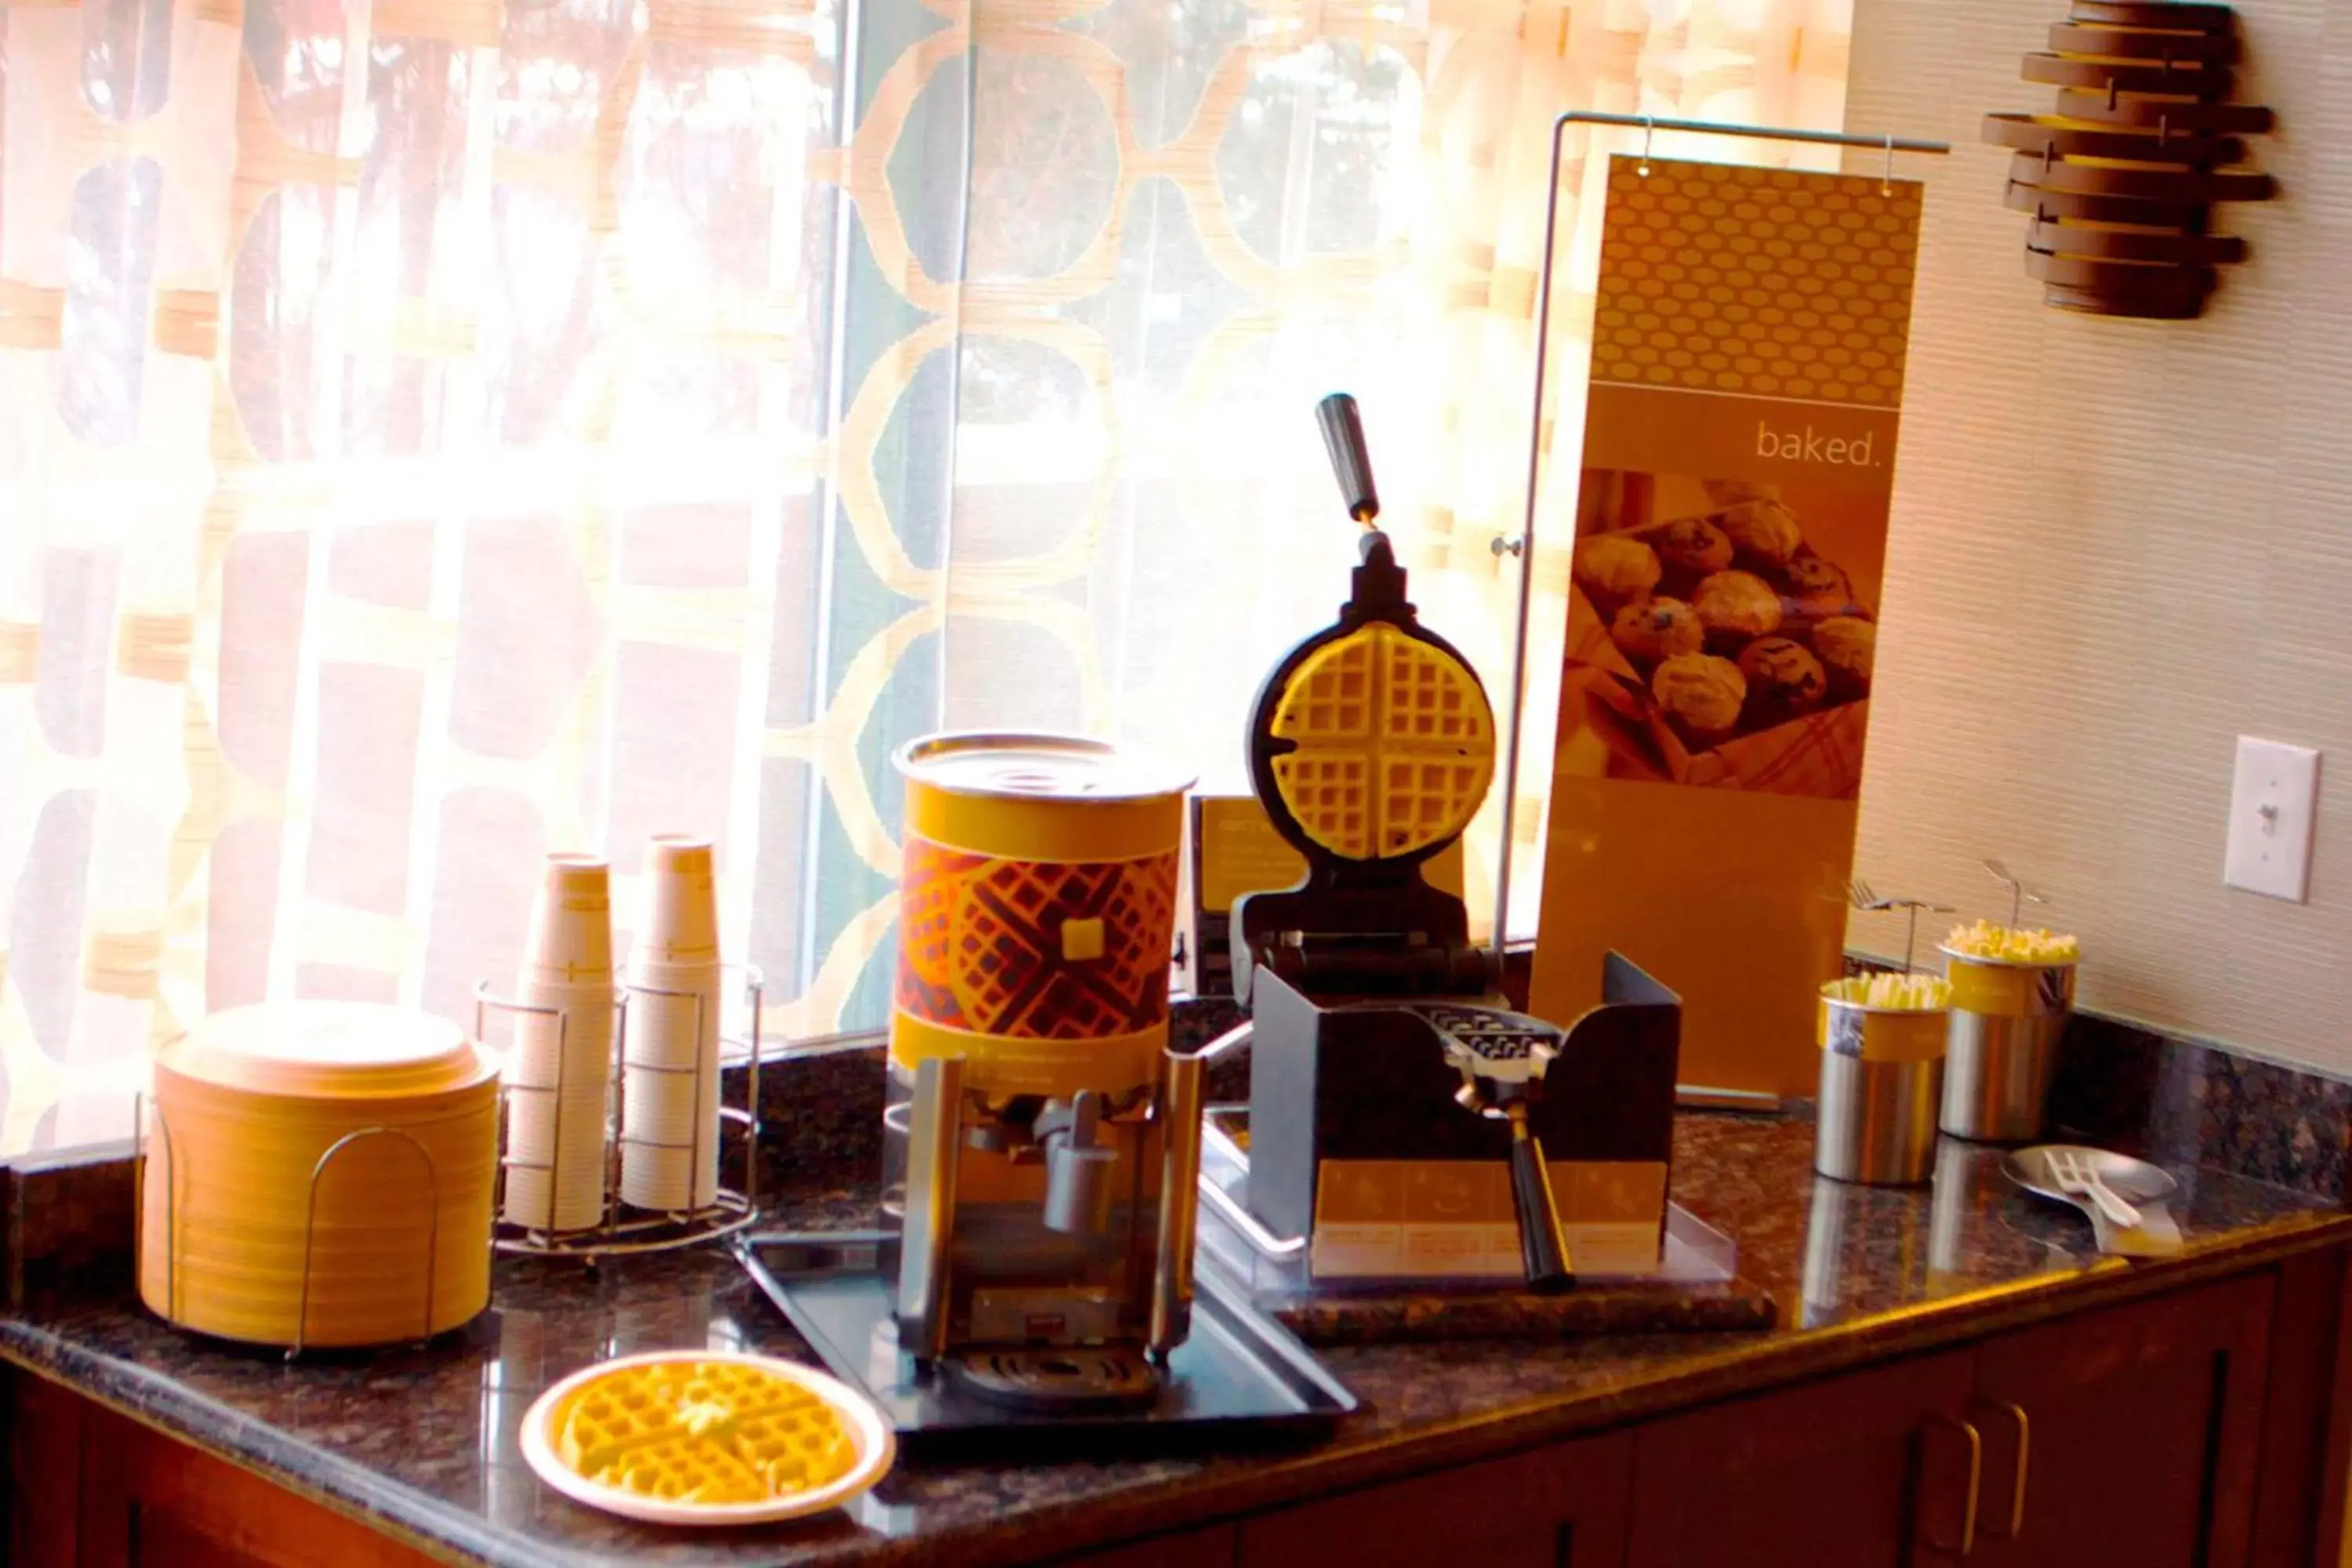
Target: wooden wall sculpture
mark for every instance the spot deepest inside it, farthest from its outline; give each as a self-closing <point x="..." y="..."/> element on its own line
<point x="2121" y="180"/>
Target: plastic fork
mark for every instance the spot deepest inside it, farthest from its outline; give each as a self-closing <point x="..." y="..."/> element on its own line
<point x="2079" y="1179"/>
<point x="2019" y="895"/>
<point x="1863" y="897"/>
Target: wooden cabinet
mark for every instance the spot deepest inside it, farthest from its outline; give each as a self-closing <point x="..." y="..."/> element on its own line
<point x="2205" y="1428"/>
<point x="90" y="1489"/>
<point x="1210" y="1548"/>
<point x="2136" y="1434"/>
<point x="1849" y="1473"/>
<point x="149" y="1501"/>
<point x="45" y="1425"/>
<point x="2139" y="1428"/>
<point x="2131" y="1436"/>
<point x="1560" y="1507"/>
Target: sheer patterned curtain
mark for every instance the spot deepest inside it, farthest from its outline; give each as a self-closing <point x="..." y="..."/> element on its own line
<point x="433" y="432"/>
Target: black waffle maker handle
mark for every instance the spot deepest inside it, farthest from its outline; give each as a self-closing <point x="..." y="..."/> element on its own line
<point x="1541" y="1256"/>
<point x="1343" y="438"/>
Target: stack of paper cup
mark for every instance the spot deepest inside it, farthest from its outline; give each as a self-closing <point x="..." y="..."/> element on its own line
<point x="558" y="1069"/>
<point x="670" y="1071"/>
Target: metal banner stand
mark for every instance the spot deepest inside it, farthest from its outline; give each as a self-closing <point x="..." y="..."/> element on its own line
<point x="1523" y="547"/>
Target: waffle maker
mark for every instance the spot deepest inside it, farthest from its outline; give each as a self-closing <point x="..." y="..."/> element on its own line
<point x="1372" y="745"/>
<point x="1381" y="1047"/>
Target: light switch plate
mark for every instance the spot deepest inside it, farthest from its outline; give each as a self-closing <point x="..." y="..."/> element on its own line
<point x="2273" y="802"/>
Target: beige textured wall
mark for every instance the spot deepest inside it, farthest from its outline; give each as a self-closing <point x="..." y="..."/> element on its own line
<point x="2117" y="546"/>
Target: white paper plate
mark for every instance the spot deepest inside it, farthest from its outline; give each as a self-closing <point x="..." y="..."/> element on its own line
<point x="877" y="1445"/>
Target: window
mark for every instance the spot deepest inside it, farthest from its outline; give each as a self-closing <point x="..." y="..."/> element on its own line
<point x="440" y="434"/>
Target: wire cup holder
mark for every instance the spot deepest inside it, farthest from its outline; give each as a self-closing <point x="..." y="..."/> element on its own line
<point x="619" y="1231"/>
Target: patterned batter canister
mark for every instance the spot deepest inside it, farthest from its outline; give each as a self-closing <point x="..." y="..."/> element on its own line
<point x="1037" y="908"/>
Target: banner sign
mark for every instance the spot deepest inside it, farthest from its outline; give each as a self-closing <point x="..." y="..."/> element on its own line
<point x="1748" y="357"/>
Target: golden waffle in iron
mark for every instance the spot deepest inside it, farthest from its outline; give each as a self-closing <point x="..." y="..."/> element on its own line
<point x="703" y="1432"/>
<point x="1393" y="744"/>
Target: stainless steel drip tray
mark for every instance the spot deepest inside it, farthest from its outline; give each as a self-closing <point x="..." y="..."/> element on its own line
<point x="1694" y="1289"/>
<point x="1238" y="1375"/>
<point x="1279" y="1276"/>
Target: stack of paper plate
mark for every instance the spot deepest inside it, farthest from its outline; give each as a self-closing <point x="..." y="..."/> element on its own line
<point x="354" y="1143"/>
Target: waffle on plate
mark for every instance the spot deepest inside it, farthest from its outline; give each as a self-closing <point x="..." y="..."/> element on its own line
<point x="706" y="1437"/>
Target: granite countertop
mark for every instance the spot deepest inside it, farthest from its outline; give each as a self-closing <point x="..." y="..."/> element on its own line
<point x="423" y="1442"/>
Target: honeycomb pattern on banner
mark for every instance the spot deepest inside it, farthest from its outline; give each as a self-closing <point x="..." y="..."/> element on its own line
<point x="1769" y="282"/>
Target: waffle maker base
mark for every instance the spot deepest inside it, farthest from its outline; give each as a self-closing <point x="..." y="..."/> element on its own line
<point x="1355" y="1079"/>
<point x="1697" y="1287"/>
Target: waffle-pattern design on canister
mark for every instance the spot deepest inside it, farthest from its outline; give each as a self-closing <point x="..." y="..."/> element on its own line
<point x="927" y="903"/>
<point x="704" y="1432"/>
<point x="990" y="944"/>
<point x="1393" y="745"/>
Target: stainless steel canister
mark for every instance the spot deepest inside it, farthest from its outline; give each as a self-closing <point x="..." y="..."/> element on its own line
<point x="1882" y="1079"/>
<point x="2007" y="1020"/>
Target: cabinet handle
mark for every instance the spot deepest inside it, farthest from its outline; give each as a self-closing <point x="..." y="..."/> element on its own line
<point x="1976" y="1479"/>
<point x="2016" y="1412"/>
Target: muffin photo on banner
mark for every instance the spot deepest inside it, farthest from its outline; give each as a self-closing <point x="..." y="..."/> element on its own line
<point x="1748" y="354"/>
